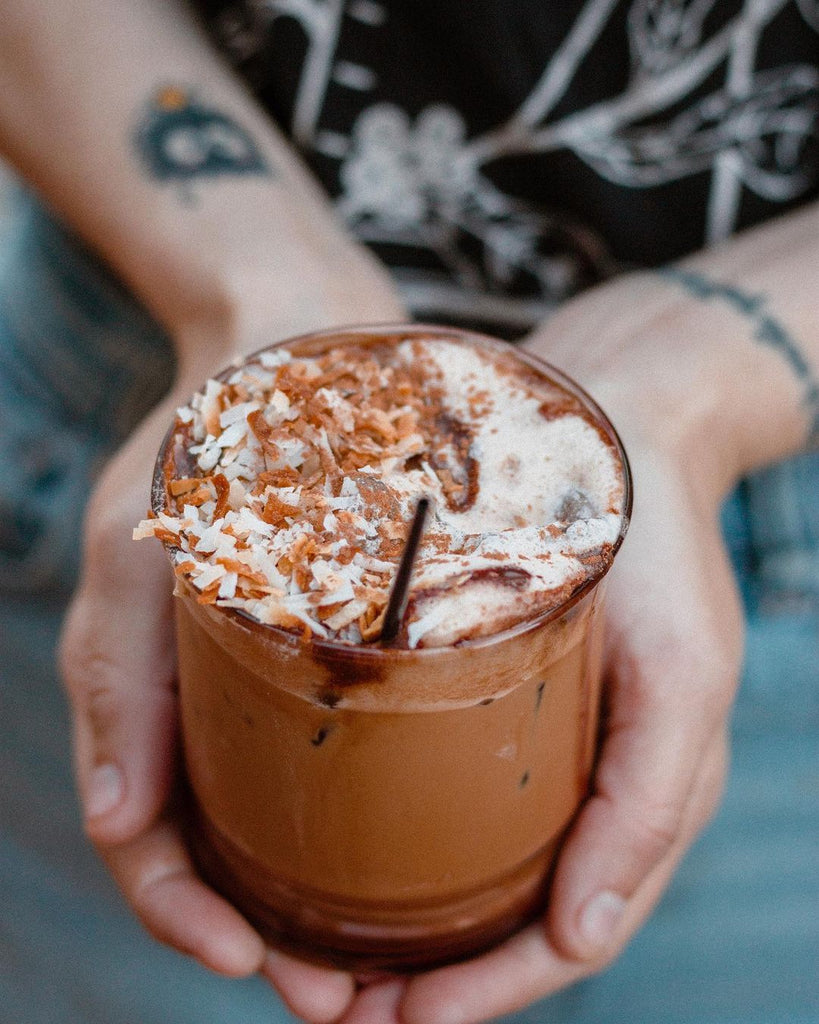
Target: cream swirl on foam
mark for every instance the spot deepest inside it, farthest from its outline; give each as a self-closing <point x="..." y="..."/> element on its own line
<point x="291" y="483"/>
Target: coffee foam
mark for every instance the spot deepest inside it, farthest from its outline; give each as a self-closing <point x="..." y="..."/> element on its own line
<point x="303" y="474"/>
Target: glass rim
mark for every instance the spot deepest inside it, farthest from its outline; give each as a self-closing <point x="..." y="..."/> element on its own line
<point x="374" y="650"/>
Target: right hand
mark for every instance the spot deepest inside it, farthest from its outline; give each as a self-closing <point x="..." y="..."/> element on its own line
<point x="118" y="661"/>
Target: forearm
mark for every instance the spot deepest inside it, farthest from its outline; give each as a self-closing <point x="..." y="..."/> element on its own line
<point x="718" y="355"/>
<point x="208" y="252"/>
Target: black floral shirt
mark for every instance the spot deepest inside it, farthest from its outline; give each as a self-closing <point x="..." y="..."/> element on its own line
<point x="500" y="155"/>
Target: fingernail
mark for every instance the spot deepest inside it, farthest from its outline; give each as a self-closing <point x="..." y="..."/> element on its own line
<point x="103" y="791"/>
<point x="599" y="919"/>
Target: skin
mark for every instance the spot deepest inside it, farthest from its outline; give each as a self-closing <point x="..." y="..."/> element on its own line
<point x="694" y="416"/>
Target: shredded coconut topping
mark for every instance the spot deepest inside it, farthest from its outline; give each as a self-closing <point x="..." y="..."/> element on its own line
<point x="291" y="483"/>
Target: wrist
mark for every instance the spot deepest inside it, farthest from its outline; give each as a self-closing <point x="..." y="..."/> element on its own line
<point x="260" y="307"/>
<point x="764" y="343"/>
<point x="236" y="294"/>
<point x="669" y="408"/>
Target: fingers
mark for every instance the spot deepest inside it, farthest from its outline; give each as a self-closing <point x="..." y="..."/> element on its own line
<point x="378" y="1003"/>
<point x="642" y="790"/>
<point x="627" y="828"/>
<point x="316" y="994"/>
<point x="660" y="727"/>
<point x="529" y="967"/>
<point x="120" y="679"/>
<point x="118" y="663"/>
<point x="502" y="981"/>
<point x="155" y="873"/>
<point x="117" y="651"/>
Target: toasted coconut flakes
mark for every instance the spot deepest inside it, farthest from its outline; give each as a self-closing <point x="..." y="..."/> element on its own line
<point x="379" y="422"/>
<point x="417" y="630"/>
<point x="414" y="444"/>
<point x="298" y="506"/>
<point x="222" y="488"/>
<point x="346" y="616"/>
<point x="238" y="414"/>
<point x="342" y="592"/>
<point x="211" y="407"/>
<point x="280" y="403"/>
<point x="207" y="574"/>
<point x="226" y="548"/>
<point x="343" y="503"/>
<point x="227" y="585"/>
<point x="327" y="611"/>
<point x="232" y="435"/>
<point x="327" y="456"/>
<point x="391" y="530"/>
<point x="274" y="357"/>
<point x="276" y="512"/>
<point x="275" y="580"/>
<point x="340" y="408"/>
<point x="184" y="486"/>
<point x="208" y="540"/>
<point x="246" y="522"/>
<point x="172" y="523"/>
<point x="374" y="593"/>
<point x="207" y="454"/>
<point x="199" y="497"/>
<point x="370" y="625"/>
<point x="236" y="495"/>
<point x="405" y="422"/>
<point x="296" y="606"/>
<point x="236" y="567"/>
<point x="246" y="465"/>
<point x="263" y="431"/>
<point x="284" y="454"/>
<point x="145" y="528"/>
<point x="366" y="561"/>
<point x="322" y="571"/>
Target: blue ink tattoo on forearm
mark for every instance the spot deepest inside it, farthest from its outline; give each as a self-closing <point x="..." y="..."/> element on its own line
<point x="180" y="140"/>
<point x="767" y="330"/>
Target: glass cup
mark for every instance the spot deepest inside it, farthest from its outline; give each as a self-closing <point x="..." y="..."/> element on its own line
<point x="378" y="807"/>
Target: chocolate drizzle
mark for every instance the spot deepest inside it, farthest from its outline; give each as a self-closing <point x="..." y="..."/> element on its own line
<point x="511" y="576"/>
<point x="505" y="575"/>
<point x="451" y="458"/>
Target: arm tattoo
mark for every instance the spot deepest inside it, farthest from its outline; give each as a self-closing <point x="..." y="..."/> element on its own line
<point x="180" y="140"/>
<point x="767" y="330"/>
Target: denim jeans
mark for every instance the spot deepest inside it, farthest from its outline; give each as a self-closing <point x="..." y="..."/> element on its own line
<point x="733" y="940"/>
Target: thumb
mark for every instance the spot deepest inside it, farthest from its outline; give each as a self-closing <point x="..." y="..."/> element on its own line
<point x="637" y="815"/>
<point x="117" y="658"/>
<point x="673" y="656"/>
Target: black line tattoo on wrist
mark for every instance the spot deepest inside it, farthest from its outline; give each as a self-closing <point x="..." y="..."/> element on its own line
<point x="767" y="330"/>
<point x="181" y="140"/>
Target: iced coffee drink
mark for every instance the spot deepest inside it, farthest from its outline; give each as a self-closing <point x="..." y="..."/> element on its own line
<point x="394" y="804"/>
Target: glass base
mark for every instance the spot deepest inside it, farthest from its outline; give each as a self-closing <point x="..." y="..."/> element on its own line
<point x="372" y="936"/>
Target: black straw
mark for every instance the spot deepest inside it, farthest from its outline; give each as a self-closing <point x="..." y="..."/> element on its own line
<point x="397" y="604"/>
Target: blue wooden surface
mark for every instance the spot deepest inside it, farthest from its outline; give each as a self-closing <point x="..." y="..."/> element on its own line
<point x="735" y="941"/>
